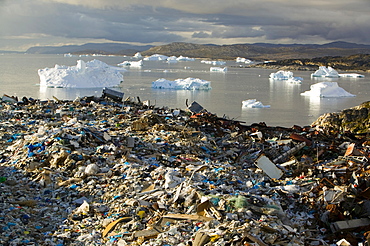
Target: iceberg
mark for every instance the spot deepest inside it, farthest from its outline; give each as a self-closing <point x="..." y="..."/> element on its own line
<point x="138" y="55"/>
<point x="91" y="74"/>
<point x="325" y="72"/>
<point x="214" y="63"/>
<point x="131" y="63"/>
<point x="285" y="75"/>
<point x="182" y="84"/>
<point x="156" y="57"/>
<point x="253" y="103"/>
<point x="244" y="60"/>
<point x="185" y="58"/>
<point x="172" y="59"/>
<point x="327" y="89"/>
<point x="69" y="55"/>
<point x="218" y="69"/>
<point x="294" y="80"/>
<point x="351" y="75"/>
<point x="281" y="75"/>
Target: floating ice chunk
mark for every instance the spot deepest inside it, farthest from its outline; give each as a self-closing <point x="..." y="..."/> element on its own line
<point x="327" y="89"/>
<point x="253" y="103"/>
<point x="214" y="63"/>
<point x="156" y="57"/>
<point x="244" y="60"/>
<point x="218" y="69"/>
<point x="131" y="63"/>
<point x="182" y="84"/>
<point x="172" y="59"/>
<point x="185" y="58"/>
<point x="294" y="80"/>
<point x="92" y="74"/>
<point x="351" y="75"/>
<point x="69" y="55"/>
<point x="325" y="72"/>
<point x="281" y="75"/>
<point x="138" y="55"/>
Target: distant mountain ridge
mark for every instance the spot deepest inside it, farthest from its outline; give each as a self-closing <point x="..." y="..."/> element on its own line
<point x="90" y="48"/>
<point x="260" y="51"/>
<point x="256" y="51"/>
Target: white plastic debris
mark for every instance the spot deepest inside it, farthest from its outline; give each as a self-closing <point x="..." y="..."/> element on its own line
<point x="92" y="169"/>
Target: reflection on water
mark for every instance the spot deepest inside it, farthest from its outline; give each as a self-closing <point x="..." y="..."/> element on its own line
<point x="320" y="105"/>
<point x="68" y="93"/>
<point x="176" y="98"/>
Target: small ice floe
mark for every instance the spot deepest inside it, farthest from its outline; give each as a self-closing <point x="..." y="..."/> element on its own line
<point x="182" y="84"/>
<point x="281" y="75"/>
<point x="138" y="55"/>
<point x="253" y="103"/>
<point x="69" y="55"/>
<point x="172" y="59"/>
<point x="131" y="63"/>
<point x="244" y="60"/>
<point x="327" y="89"/>
<point x="285" y="75"/>
<point x="325" y="72"/>
<point x="214" y="63"/>
<point x="351" y="75"/>
<point x="91" y="74"/>
<point x="185" y="58"/>
<point x="294" y="80"/>
<point x="156" y="57"/>
<point x="218" y="69"/>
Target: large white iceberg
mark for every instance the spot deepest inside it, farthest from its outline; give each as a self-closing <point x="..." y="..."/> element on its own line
<point x="325" y="72"/>
<point x="91" y="74"/>
<point x="182" y="84"/>
<point x="327" y="89"/>
<point x="253" y="103"/>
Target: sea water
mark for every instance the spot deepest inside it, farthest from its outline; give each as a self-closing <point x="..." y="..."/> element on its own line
<point x="19" y="77"/>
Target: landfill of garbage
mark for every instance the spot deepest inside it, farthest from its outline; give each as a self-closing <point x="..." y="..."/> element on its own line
<point x="113" y="171"/>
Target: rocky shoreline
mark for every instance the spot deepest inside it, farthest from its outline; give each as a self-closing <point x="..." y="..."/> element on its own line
<point x="99" y="171"/>
<point x="353" y="63"/>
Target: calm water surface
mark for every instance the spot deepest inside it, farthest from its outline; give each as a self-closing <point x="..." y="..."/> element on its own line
<point x="18" y="76"/>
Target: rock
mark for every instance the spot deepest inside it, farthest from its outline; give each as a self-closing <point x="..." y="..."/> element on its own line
<point x="355" y="120"/>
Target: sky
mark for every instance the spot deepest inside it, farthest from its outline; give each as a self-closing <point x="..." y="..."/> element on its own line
<point x="28" y="23"/>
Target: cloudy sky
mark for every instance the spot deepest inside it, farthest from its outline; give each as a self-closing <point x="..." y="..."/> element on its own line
<point x="26" y="23"/>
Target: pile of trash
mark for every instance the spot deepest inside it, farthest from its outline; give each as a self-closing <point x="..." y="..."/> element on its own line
<point x="107" y="171"/>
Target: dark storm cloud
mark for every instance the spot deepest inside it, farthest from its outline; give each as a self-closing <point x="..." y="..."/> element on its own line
<point x="63" y="21"/>
<point x="199" y="21"/>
